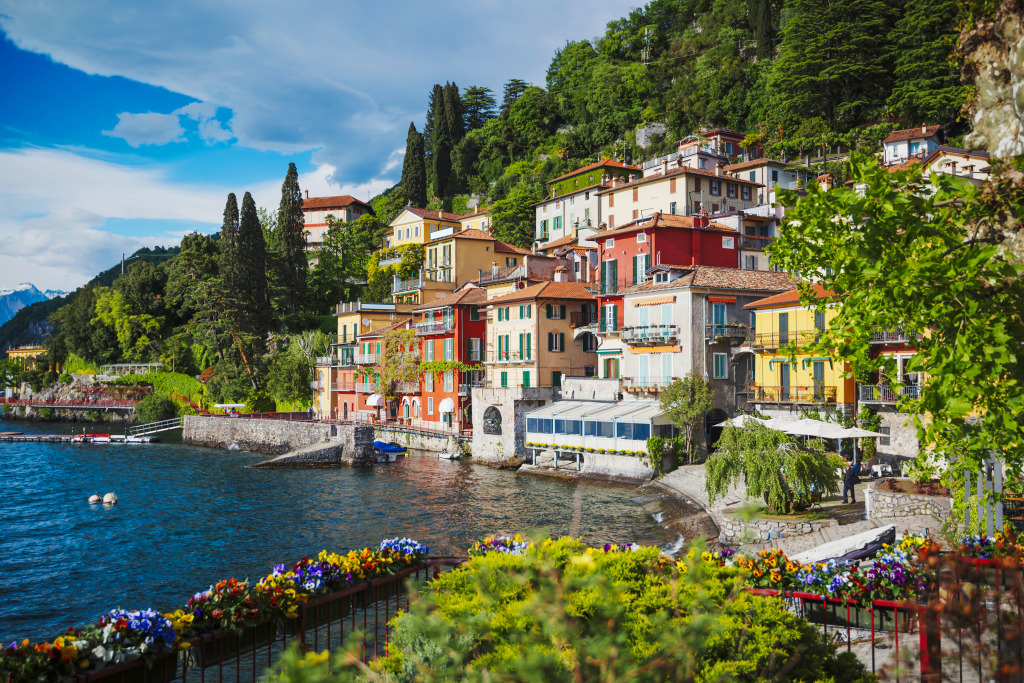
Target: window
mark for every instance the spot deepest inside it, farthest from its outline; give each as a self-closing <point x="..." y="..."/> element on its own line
<point x="609" y="243"/>
<point x="696" y="184"/>
<point x="753" y="320"/>
<point x="428" y="349"/>
<point x="474" y="349"/>
<point x="474" y="313"/>
<point x="728" y="243"/>
<point x="750" y="262"/>
<point x="696" y="207"/>
<point x="416" y="231"/>
<point x="449" y="381"/>
<point x="543" y="233"/>
<point x="556" y="378"/>
<point x="731" y="188"/>
<point x="555" y="311"/>
<point x="556" y="224"/>
<point x="728" y="149"/>
<point x="746" y="193"/>
<point x="672" y="208"/>
<point x="884" y="440"/>
<point x="526" y="379"/>
<point x="528" y="348"/>
<point x="387" y="242"/>
<point x="721" y="366"/>
<point x="449" y="349"/>
<point x="775" y="175"/>
<point x="407" y="233"/>
<point x="636" y="214"/>
<point x="718" y="313"/>
<point x="672" y="185"/>
<point x="641" y="237"/>
<point x="428" y="385"/>
<point x="589" y="343"/>
<point x="915" y="147"/>
<point x="604" y="430"/>
<point x="636" y="194"/>
<point x="611" y="200"/>
<point x="661" y="277"/>
<point x="716" y="187"/>
<point x="540" y="425"/>
<point x="504" y="378"/>
<point x="753" y="176"/>
<point x="704" y="163"/>
<point x="556" y="342"/>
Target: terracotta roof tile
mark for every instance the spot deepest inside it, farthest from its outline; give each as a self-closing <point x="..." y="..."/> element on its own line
<point x="379" y="332"/>
<point x="546" y="290"/>
<point x="721" y="278"/>
<point x="467" y="234"/>
<point x="506" y="248"/>
<point x="791" y="297"/>
<point x="435" y="215"/>
<point x="479" y="212"/>
<point x="912" y="134"/>
<point x="465" y="296"/>
<point x="600" y="164"/>
<point x="560" y="242"/>
<point x="743" y="165"/>
<point x="336" y="202"/>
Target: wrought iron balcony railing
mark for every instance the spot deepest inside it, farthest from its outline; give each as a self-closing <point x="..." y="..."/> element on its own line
<point x="434" y="327"/>
<point x="819" y="393"/>
<point x="649" y="334"/>
<point x="885" y="393"/>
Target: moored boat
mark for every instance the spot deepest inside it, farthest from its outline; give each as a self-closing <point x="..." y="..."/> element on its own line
<point x="90" y="438"/>
<point x="387" y="452"/>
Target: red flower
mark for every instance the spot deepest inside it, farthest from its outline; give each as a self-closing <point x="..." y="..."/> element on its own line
<point x="217" y="613"/>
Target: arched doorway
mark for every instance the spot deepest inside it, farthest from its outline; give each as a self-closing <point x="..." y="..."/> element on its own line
<point x="492" y="421"/>
<point x="711" y="432"/>
<point x="344" y="408"/>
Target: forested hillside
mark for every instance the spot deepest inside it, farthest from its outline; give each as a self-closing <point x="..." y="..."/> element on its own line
<point x="795" y="76"/>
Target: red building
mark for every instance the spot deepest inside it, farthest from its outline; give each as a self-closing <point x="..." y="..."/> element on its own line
<point x="451" y="331"/>
<point x="625" y="254"/>
<point x="371" y="354"/>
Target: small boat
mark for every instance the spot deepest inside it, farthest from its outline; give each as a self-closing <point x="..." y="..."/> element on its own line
<point x="449" y="455"/>
<point x="387" y="452"/>
<point x="90" y="438"/>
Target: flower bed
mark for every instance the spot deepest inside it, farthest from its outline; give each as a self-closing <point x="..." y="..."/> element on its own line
<point x="121" y="635"/>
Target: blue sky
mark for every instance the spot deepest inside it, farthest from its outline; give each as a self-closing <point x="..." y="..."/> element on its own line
<point x="126" y="125"/>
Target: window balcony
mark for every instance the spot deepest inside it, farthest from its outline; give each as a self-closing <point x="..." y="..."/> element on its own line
<point x="582" y="318"/>
<point x="323" y="360"/>
<point x="366" y="387"/>
<point x="467" y="389"/>
<point x="345" y="359"/>
<point x="407" y="387"/>
<point x="343" y="386"/>
<point x="793" y="394"/>
<point x="315" y="386"/>
<point x="755" y="242"/>
<point x="900" y="334"/>
<point x="774" y="340"/>
<point x="650" y="334"/>
<point x="713" y="332"/>
<point x="434" y="327"/>
<point x="884" y="393"/>
<point x="366" y="358"/>
<point x="652" y="384"/>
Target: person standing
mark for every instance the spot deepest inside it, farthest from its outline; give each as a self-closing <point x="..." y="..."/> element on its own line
<point x="850" y="480"/>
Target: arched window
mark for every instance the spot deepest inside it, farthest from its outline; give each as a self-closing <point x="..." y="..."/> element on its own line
<point x="344" y="408"/>
<point x="492" y="421"/>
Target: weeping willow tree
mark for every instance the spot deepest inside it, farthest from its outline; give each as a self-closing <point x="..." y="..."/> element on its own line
<point x="772" y="465"/>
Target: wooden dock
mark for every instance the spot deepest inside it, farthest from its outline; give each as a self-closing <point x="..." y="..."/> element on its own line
<point x="17" y="437"/>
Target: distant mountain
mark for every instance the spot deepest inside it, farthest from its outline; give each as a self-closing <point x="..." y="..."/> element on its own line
<point x="13" y="300"/>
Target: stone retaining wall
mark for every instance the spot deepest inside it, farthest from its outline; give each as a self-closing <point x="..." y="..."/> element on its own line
<point x="349" y="448"/>
<point x="602" y="465"/>
<point x="881" y="504"/>
<point x="736" y="531"/>
<point x="260" y="436"/>
<point x="428" y="445"/>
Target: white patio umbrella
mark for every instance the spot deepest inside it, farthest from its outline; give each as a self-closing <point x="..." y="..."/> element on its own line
<point x="815" y="428"/>
<point x="857" y="433"/>
<point x="742" y="421"/>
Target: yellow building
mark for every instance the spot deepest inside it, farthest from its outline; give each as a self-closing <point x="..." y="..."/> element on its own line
<point x="468" y="255"/>
<point x="480" y="220"/>
<point x="529" y="340"/>
<point x="417" y="226"/>
<point x="787" y="385"/>
<point x="27" y="355"/>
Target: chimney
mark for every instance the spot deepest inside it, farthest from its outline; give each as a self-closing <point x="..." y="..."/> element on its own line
<point x="664" y="167"/>
<point x="605" y="179"/>
<point x="632" y="177"/>
<point x="718" y="169"/>
<point x="307" y="194"/>
<point x="561" y="274"/>
<point x="924" y="129"/>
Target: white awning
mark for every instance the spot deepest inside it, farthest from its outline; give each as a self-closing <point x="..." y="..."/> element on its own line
<point x="374" y="401"/>
<point x="447" y="406"/>
<point x="228" y="405"/>
<point x="618" y="411"/>
<point x="610" y="347"/>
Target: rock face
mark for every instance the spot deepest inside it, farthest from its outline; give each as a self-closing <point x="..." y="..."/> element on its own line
<point x="887" y="504"/>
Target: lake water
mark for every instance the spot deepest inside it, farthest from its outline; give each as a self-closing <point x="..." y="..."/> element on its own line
<point x="188" y="517"/>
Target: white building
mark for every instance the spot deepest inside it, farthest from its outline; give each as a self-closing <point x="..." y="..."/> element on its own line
<point x="342" y="209"/>
<point x="572" y="202"/>
<point x="911" y="143"/>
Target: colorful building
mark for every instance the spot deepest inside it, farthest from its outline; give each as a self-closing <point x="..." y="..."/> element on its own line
<point x="317" y="210"/>
<point x="373" y="400"/>
<point x="417" y="226"/>
<point x="781" y="384"/>
<point x="451" y="331"/>
<point x="573" y="202"/>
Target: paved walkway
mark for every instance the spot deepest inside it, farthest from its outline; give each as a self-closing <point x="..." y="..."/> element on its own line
<point x="688" y="481"/>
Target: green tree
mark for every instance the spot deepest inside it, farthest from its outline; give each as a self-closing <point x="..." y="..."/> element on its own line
<point x="512" y="218"/>
<point x="513" y="89"/>
<point x="685" y="402"/>
<point x="773" y="465"/>
<point x="479" y="104"/>
<point x="414" y="169"/>
<point x="929" y="257"/>
<point x="435" y="104"/>
<point x="443" y="142"/>
<point x="155" y="407"/>
<point x="229" y="261"/>
<point x="927" y="87"/>
<point x="288" y="379"/>
<point x="248" y="284"/>
<point x="455" y="113"/>
<point x="290" y="241"/>
<point x="764" y="17"/>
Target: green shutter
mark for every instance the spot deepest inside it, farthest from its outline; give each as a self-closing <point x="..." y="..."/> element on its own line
<point x="604" y="318"/>
<point x="526" y="379"/>
<point x="550" y="340"/>
<point x="521" y="346"/>
<point x="504" y="379"/>
<point x="561" y="341"/>
<point x="561" y="311"/>
<point x="634" y="268"/>
<point x="529" y="345"/>
<point x="547" y="311"/>
<point x="469" y="348"/>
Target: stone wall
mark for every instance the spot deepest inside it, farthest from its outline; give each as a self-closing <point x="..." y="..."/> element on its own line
<point x="902" y="434"/>
<point x="880" y="504"/>
<point x="425" y="444"/>
<point x="260" y="436"/>
<point x="512" y="403"/>
<point x="735" y="531"/>
<point x="602" y="465"/>
<point x="349" y="448"/>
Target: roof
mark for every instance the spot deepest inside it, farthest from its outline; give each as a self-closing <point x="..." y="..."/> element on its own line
<point x="560" y="242"/>
<point x="720" y="131"/>
<point x="570" y="193"/>
<point x="680" y="171"/>
<point x="943" y="149"/>
<point x="467" y="234"/>
<point x="465" y="296"/>
<point x="615" y="411"/>
<point x="337" y="202"/>
<point x="912" y="134"/>
<point x="506" y="248"/>
<point x="545" y="290"/>
<point x="380" y="331"/>
<point x="479" y="212"/>
<point x="664" y="220"/>
<point x="758" y="162"/>
<point x="613" y="163"/>
<point x="435" y="215"/>
<point x="716" y="277"/>
<point x="791" y="297"/>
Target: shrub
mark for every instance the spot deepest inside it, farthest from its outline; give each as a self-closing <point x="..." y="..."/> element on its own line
<point x="562" y="612"/>
<point x="259" y="402"/>
<point x="46" y="414"/>
<point x="154" y="408"/>
<point x="65" y="378"/>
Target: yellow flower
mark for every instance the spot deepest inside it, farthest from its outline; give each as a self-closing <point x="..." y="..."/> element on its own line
<point x="292" y="614"/>
<point x="315" y="658"/>
<point x="70" y="651"/>
<point x="184" y="645"/>
<point x="83" y="663"/>
<point x="585" y="561"/>
<point x="682" y="567"/>
<point x="59" y="642"/>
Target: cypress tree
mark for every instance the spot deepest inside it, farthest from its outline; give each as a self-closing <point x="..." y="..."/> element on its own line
<point x="927" y="89"/>
<point x="291" y="243"/>
<point x="454" y="113"/>
<point x="414" y="169"/>
<point x="229" y="240"/>
<point x="442" y="157"/>
<point x="252" y="257"/>
<point x="434" y="102"/>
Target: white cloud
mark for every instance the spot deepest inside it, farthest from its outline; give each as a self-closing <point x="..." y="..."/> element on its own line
<point x="147" y="129"/>
<point x="343" y="78"/>
<point x="210" y="128"/>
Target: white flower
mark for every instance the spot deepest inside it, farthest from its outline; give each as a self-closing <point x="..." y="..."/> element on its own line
<point x="106" y="632"/>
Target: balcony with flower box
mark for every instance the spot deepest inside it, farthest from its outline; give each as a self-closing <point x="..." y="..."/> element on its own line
<point x="366" y="358"/>
<point x="816" y="394"/>
<point x="731" y="332"/>
<point x="650" y="334"/>
<point x="642" y="384"/>
<point x="885" y="393"/>
<point x="896" y="336"/>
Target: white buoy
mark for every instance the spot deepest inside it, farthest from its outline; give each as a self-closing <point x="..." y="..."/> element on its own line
<point x="110" y="499"/>
<point x="95" y="498"/>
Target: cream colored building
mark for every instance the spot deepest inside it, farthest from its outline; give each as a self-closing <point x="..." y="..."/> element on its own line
<point x="417" y="226"/>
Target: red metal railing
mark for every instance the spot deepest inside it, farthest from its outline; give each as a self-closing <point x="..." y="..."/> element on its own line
<point x="326" y="622"/>
<point x="75" y="403"/>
